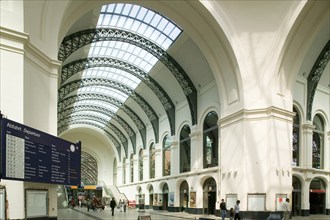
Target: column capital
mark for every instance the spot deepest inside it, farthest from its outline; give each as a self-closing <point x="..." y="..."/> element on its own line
<point x="308" y="126"/>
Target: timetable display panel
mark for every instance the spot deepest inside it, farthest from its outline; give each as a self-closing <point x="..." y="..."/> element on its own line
<point x="31" y="155"/>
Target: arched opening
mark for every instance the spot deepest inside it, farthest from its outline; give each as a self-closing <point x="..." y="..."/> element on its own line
<point x="166" y="156"/>
<point x="184" y="196"/>
<point x="114" y="172"/>
<point x="296" y="196"/>
<point x="152" y="161"/>
<point x="185" y="151"/>
<point x="124" y="170"/>
<point x="209" y="196"/>
<point x="295" y="138"/>
<point x="165" y="197"/>
<point x="141" y="165"/>
<point x="317" y="195"/>
<point x="89" y="169"/>
<point x="210" y="140"/>
<point x="151" y="197"/>
<point x="318" y="142"/>
<point x="131" y="168"/>
<point x="140" y="198"/>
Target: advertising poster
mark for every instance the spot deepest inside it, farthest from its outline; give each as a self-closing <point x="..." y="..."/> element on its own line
<point x="192" y="199"/>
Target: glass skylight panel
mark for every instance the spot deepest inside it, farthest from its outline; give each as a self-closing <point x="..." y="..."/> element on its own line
<point x="139" y="20"/>
<point x="113" y="74"/>
<point x="104" y="91"/>
<point x="125" y="52"/>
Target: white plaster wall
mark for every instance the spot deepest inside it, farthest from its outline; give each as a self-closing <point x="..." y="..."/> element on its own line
<point x="94" y="144"/>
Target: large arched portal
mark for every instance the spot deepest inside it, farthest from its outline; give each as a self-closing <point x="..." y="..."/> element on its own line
<point x="317" y="195"/>
<point x="296" y="196"/>
<point x="209" y="196"/>
<point x="184" y="196"/>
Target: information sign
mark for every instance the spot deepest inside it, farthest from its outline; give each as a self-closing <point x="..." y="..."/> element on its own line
<point x="31" y="155"/>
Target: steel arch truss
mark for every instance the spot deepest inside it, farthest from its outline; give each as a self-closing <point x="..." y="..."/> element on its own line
<point x="91" y="124"/>
<point x="315" y="76"/>
<point x="99" y="120"/>
<point x="75" y="85"/>
<point x="83" y="64"/>
<point x="81" y="108"/>
<point x="63" y="104"/>
<point x="77" y="40"/>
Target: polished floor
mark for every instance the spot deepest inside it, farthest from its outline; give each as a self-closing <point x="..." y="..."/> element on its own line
<point x="133" y="214"/>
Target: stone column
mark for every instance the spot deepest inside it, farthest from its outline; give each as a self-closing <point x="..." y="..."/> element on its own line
<point x="256" y="155"/>
<point x="175" y="156"/>
<point x="158" y="161"/>
<point x="196" y="149"/>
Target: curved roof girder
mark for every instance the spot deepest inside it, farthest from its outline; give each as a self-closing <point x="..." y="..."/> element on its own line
<point x="315" y="76"/>
<point x="67" y="112"/>
<point x="100" y="120"/>
<point x="80" y="108"/>
<point x="108" y="135"/>
<point x="62" y="105"/>
<point x="80" y="65"/>
<point x="75" y="85"/>
<point x="79" y="39"/>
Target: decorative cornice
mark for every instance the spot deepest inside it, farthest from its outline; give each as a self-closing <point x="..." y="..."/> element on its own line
<point x="257" y="114"/>
<point x="21" y="45"/>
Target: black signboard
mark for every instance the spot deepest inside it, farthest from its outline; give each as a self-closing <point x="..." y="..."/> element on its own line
<point x="31" y="155"/>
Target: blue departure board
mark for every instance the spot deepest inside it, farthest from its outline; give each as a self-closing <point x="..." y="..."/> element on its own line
<point x="31" y="155"/>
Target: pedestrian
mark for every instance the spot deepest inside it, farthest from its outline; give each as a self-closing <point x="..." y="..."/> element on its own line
<point x="236" y="209"/>
<point x="120" y="204"/>
<point x="113" y="206"/>
<point x="125" y="205"/>
<point x="286" y="209"/>
<point x="231" y="214"/>
<point x="223" y="209"/>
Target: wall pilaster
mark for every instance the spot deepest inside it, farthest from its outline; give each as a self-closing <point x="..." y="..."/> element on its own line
<point x="306" y="148"/>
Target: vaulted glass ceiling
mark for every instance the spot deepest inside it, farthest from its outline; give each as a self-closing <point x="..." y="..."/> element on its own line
<point x="137" y="20"/>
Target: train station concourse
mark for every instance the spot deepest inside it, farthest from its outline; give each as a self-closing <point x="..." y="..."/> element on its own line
<point x="164" y="106"/>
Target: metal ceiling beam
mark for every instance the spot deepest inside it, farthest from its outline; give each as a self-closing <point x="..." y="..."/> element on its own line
<point x="81" y="108"/>
<point x="63" y="104"/>
<point x="66" y="89"/>
<point x="315" y="76"/>
<point x="107" y="134"/>
<point x="79" y="39"/>
<point x="100" y="120"/>
<point x="80" y="65"/>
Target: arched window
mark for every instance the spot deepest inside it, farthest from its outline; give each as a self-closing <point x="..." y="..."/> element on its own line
<point x="88" y="169"/>
<point x="152" y="160"/>
<point x="131" y="168"/>
<point x="115" y="172"/>
<point x="318" y="138"/>
<point x="210" y="140"/>
<point x="166" y="156"/>
<point x="295" y="138"/>
<point x="185" y="151"/>
<point x="141" y="165"/>
<point x="124" y="170"/>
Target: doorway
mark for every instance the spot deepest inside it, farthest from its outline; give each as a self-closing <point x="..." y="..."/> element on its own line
<point x="209" y="196"/>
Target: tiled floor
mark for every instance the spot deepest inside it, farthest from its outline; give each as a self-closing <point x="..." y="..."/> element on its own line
<point x="133" y="214"/>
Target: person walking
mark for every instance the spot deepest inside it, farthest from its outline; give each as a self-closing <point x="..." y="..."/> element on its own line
<point x="286" y="209"/>
<point x="113" y="206"/>
<point x="120" y="204"/>
<point x="236" y="209"/>
<point x="223" y="209"/>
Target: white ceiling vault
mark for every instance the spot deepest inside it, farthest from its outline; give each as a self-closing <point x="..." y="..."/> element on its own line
<point x="115" y="75"/>
<point x="126" y="67"/>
